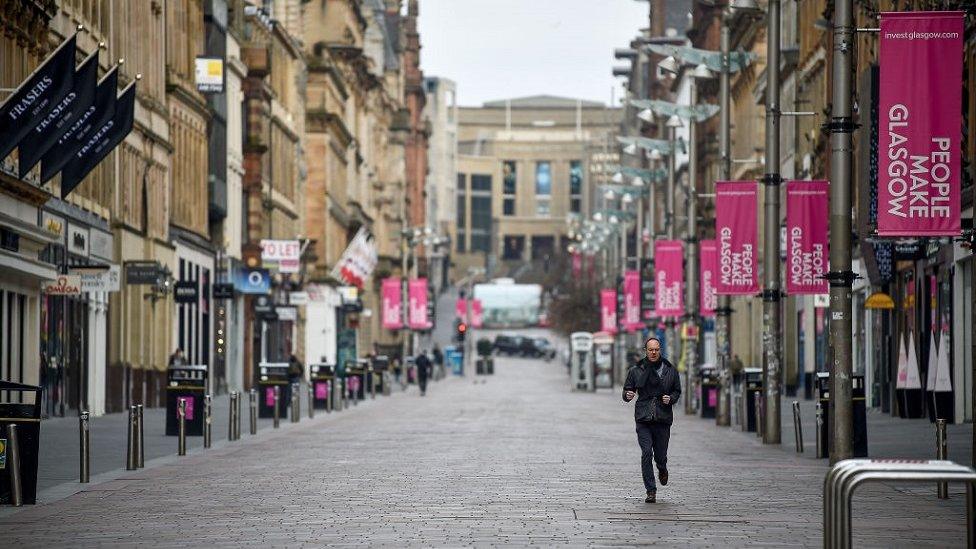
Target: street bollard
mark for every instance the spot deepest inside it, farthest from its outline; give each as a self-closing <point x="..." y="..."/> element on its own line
<point x="941" y="452"/>
<point x="207" y="420"/>
<point x="797" y="427"/>
<point x="140" y="439"/>
<point x="237" y="415"/>
<point x="181" y="418"/>
<point x="331" y="396"/>
<point x="253" y="406"/>
<point x="293" y="409"/>
<point x="13" y="461"/>
<point x="130" y="448"/>
<point x="277" y="410"/>
<point x="84" y="440"/>
<point x="230" y="419"/>
<point x="311" y="401"/>
<point x="372" y="382"/>
<point x="821" y="443"/>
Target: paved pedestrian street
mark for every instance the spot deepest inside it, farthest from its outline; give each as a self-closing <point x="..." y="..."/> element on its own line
<point x="516" y="460"/>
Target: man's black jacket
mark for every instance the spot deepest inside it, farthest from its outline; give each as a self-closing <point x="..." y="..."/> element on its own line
<point x="650" y="388"/>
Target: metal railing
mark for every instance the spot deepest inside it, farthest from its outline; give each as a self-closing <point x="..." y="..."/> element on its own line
<point x="845" y="477"/>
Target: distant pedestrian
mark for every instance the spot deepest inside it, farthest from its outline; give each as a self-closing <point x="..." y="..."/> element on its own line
<point x="176" y="359"/>
<point x="654" y="381"/>
<point x="438" y="362"/>
<point x="423" y="369"/>
<point x="296" y="370"/>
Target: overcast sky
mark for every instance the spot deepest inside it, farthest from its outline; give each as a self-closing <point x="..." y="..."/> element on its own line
<point x="497" y="49"/>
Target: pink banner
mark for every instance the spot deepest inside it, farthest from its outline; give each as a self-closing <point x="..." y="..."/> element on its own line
<point x="608" y="311"/>
<point x="736" y="229"/>
<point x="668" y="287"/>
<point x="461" y="308"/>
<point x="577" y="264"/>
<point x="708" y="296"/>
<point x="477" y="313"/>
<point x="632" y="321"/>
<point x="392" y="303"/>
<point x="417" y="294"/>
<point x="920" y="125"/>
<point x="807" y="216"/>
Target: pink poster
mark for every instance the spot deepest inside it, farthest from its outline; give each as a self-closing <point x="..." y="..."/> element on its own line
<point x="708" y="297"/>
<point x="269" y="396"/>
<point x="668" y="287"/>
<point x="189" y="407"/>
<point x="461" y="308"/>
<point x="920" y="126"/>
<point x="736" y="228"/>
<point x="392" y="303"/>
<point x="608" y="311"/>
<point x="632" y="321"/>
<point x="477" y="313"/>
<point x="417" y="291"/>
<point x="807" y="220"/>
<point x="321" y="391"/>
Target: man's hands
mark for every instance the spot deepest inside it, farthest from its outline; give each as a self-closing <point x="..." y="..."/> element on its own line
<point x="666" y="399"/>
<point x="629" y="395"/>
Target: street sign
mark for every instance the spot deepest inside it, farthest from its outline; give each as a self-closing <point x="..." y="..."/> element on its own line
<point x="142" y="272"/>
<point x="62" y="285"/>
<point x="186" y="291"/>
<point x="99" y="279"/>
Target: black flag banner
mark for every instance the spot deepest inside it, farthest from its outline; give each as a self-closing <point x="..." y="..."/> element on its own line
<point x="94" y="117"/>
<point x="101" y="142"/>
<point x="47" y="132"/>
<point x="37" y="96"/>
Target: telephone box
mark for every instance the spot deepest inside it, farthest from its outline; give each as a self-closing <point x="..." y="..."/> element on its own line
<point x="603" y="362"/>
<point x="581" y="362"/>
<point x="187" y="383"/>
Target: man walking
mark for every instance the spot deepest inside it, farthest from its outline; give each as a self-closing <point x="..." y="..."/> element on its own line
<point x="423" y="368"/>
<point x="655" y="383"/>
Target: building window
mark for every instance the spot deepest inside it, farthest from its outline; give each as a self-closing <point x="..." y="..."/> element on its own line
<point x="543" y="188"/>
<point x="462" y="181"/>
<point x="508" y="206"/>
<point x="462" y="209"/>
<point x="575" y="186"/>
<point x="509" y="181"/>
<point x="514" y="247"/>
<point x="461" y="248"/>
<point x="480" y="182"/>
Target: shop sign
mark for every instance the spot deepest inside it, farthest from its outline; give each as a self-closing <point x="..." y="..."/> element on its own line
<point x="252" y="281"/>
<point x="99" y="279"/>
<point x="100" y="244"/>
<point x="78" y="240"/>
<point x="298" y="298"/>
<point x="186" y="291"/>
<point x="209" y="74"/>
<point x="3" y="453"/>
<point x="284" y="254"/>
<point x="142" y="272"/>
<point x="264" y="308"/>
<point x="63" y="285"/>
<point x="53" y="225"/>
<point x="287" y="313"/>
<point x="223" y="290"/>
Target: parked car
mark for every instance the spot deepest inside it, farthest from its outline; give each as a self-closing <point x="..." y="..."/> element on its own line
<point x="544" y="348"/>
<point x="508" y="344"/>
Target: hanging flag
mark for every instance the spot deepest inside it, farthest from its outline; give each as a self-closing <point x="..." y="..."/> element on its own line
<point x="461" y="308"/>
<point x="101" y="142"/>
<point x="669" y="262"/>
<point x="417" y="291"/>
<point x="392" y="304"/>
<point x="738" y="239"/>
<point x="358" y="260"/>
<point x="95" y="116"/>
<point x="708" y="298"/>
<point x="920" y="123"/>
<point x="608" y="310"/>
<point x="57" y="122"/>
<point x="477" y="313"/>
<point x="577" y="264"/>
<point x="631" y="321"/>
<point x="41" y="92"/>
<point x="912" y="379"/>
<point x="807" y="213"/>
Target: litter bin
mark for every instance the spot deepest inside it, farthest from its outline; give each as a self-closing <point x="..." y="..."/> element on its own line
<point x="356" y="378"/>
<point x="190" y="383"/>
<point x="859" y="431"/>
<point x="455" y="358"/>
<point x="322" y="376"/>
<point x="709" y="390"/>
<point x="381" y="369"/>
<point x="271" y="375"/>
<point x="27" y="418"/>
<point x="752" y="396"/>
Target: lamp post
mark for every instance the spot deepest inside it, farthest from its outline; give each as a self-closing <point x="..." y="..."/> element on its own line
<point x="723" y="312"/>
<point x="674" y="122"/>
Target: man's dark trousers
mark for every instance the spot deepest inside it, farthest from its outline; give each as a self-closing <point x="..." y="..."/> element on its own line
<point x="653" y="440"/>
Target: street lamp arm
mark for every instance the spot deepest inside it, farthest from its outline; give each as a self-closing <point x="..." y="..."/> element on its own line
<point x="698" y="113"/>
<point x="738" y="60"/>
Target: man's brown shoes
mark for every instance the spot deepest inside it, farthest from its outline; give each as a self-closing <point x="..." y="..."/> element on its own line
<point x="662" y="475"/>
<point x="651" y="497"/>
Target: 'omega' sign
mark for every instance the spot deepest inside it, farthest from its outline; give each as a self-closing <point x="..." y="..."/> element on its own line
<point x="63" y="285"/>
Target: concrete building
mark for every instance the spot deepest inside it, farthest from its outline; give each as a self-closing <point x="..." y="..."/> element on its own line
<point x="441" y="111"/>
<point x="523" y="167"/>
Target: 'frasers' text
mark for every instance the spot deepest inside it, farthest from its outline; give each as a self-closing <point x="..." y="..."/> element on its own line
<point x="668" y="293"/>
<point x="737" y="267"/>
<point x="805" y="266"/>
<point x="918" y="184"/>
